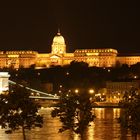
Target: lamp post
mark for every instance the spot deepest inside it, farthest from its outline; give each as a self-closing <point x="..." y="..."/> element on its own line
<point x="91" y="92"/>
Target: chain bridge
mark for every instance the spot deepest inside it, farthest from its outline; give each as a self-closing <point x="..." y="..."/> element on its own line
<point x="36" y="94"/>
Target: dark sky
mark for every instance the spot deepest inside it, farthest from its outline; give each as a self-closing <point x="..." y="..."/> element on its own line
<point x="83" y="23"/>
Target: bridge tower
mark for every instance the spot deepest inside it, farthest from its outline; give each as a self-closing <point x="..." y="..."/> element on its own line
<point x="4" y="84"/>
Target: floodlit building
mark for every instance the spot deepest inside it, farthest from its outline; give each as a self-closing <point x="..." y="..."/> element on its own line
<point x="4" y="84"/>
<point x="116" y="90"/>
<point x="94" y="57"/>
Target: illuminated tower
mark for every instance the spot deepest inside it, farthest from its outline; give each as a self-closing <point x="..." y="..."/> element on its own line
<point x="4" y="84"/>
<point x="58" y="44"/>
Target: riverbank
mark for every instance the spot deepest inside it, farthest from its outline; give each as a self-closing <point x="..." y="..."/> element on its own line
<point x="106" y="105"/>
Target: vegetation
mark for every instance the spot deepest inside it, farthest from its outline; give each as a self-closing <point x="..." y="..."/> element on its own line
<point x="131" y="115"/>
<point x="18" y="111"/>
<point x="75" y="112"/>
<point x="77" y="74"/>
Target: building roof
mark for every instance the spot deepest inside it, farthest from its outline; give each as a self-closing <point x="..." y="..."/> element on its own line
<point x="128" y="54"/>
<point x="58" y="39"/>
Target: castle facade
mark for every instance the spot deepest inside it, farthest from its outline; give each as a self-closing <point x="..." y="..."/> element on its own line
<point x="107" y="57"/>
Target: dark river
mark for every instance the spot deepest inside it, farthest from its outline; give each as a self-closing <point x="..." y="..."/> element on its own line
<point x="105" y="127"/>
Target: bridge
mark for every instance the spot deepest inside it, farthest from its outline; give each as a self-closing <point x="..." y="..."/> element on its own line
<point x="36" y="94"/>
<point x="53" y="98"/>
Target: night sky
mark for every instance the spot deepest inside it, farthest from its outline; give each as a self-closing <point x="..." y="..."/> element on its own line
<point x="83" y="23"/>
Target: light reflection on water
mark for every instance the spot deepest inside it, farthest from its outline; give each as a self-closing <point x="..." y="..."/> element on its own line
<point x="104" y="127"/>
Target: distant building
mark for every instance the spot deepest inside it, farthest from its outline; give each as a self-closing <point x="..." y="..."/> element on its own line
<point x="48" y="87"/>
<point x="4" y="83"/>
<point x="116" y="90"/>
<point x="94" y="57"/>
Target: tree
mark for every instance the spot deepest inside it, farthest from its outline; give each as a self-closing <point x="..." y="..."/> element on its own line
<point x="17" y="111"/>
<point x="131" y="118"/>
<point x="74" y="111"/>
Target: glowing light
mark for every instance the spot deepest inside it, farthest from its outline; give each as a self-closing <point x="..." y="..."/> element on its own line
<point x="91" y="131"/>
<point x="135" y="77"/>
<point x="15" y="56"/>
<point x="37" y="94"/>
<point x="116" y="112"/>
<point x="91" y="91"/>
<point x="99" y="94"/>
<point x="67" y="73"/>
<point x="76" y="91"/>
<point x="69" y="90"/>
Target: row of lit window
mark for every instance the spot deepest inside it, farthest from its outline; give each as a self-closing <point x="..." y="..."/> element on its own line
<point x="96" y="50"/>
<point x="122" y="86"/>
<point x="94" y="54"/>
<point x="21" y="52"/>
<point x="130" y="58"/>
<point x="133" y="59"/>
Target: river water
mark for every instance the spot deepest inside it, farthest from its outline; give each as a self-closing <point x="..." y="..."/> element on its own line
<point x="104" y="127"/>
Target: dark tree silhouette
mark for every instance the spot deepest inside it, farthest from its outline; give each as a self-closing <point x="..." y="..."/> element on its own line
<point x="131" y="116"/>
<point x="74" y="111"/>
<point x="18" y="111"/>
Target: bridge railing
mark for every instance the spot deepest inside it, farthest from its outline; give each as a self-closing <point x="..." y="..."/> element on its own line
<point x="36" y="91"/>
<point x="46" y="98"/>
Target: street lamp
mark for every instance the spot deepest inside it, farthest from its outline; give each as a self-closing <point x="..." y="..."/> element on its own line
<point x="91" y="91"/>
<point x="135" y="77"/>
<point x="69" y="90"/>
<point x="67" y="73"/>
<point x="76" y="91"/>
<point x="108" y="70"/>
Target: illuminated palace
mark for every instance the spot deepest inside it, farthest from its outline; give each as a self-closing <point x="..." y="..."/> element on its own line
<point x="107" y="57"/>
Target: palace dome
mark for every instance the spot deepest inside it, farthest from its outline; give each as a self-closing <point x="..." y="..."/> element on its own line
<point x="58" y="39"/>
